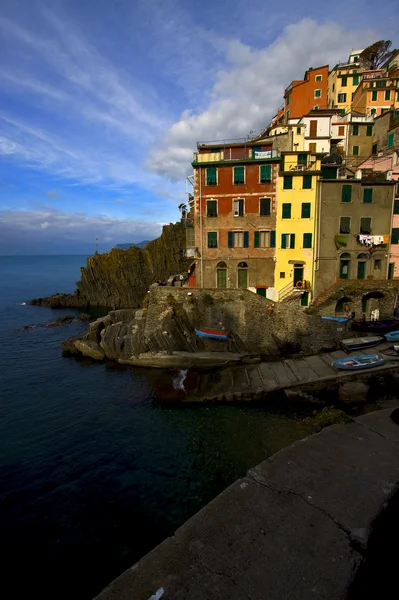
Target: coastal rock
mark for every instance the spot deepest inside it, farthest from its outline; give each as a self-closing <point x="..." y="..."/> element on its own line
<point x="69" y="348"/>
<point x="353" y="392"/>
<point x="64" y="320"/>
<point x="89" y="349"/>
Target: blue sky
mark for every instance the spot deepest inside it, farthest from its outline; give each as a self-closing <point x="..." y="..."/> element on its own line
<point x="103" y="101"/>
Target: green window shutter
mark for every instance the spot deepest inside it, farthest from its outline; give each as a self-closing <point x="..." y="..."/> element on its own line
<point x="345" y="225"/>
<point x="305" y="299"/>
<point x="302" y="159"/>
<point x="265" y="207"/>
<point x="346" y="193"/>
<point x="292" y="241"/>
<point x="374" y="96"/>
<point x="307" y="240"/>
<point x="344" y="81"/>
<point x="238" y="175"/>
<point x="355" y="130"/>
<point x="287" y="185"/>
<point x="317" y="93"/>
<point x="272" y="239"/>
<point x="212" y="239"/>
<point x="387" y="94"/>
<point x="256" y="239"/>
<point x="367" y="195"/>
<point x="395" y="235"/>
<point x="284" y="240"/>
<point x="365" y="225"/>
<point x="211" y="208"/>
<point x="211" y="176"/>
<point x="246" y="239"/>
<point x="230" y="240"/>
<point x="356" y="80"/>
<point x="396" y="207"/>
<point x="355" y="150"/>
<point x="374" y="149"/>
<point x="305" y="210"/>
<point x="369" y="131"/>
<point x="307" y="182"/>
<point x="286" y="210"/>
<point x="390" y="140"/>
<point x="265" y="173"/>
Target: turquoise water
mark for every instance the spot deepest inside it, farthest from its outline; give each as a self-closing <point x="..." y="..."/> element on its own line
<point x="93" y="474"/>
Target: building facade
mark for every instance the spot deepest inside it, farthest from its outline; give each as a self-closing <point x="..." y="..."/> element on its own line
<point x="343" y="80"/>
<point x="377" y="93"/>
<point x="306" y="94"/>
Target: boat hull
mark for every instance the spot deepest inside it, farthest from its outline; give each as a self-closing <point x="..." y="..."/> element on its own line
<point x="361" y="342"/>
<point x="337" y="319"/>
<point x="376" y="326"/>
<point x="390" y="353"/>
<point x="393" y="336"/>
<point x="356" y="363"/>
<point x="213" y="334"/>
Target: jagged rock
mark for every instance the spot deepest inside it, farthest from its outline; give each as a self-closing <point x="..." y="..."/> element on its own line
<point x="353" y="392"/>
<point x="90" y="349"/>
<point x="64" y="320"/>
<point x="68" y="346"/>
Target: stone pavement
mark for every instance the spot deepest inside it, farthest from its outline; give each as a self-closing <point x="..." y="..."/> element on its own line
<point x="294" y="528"/>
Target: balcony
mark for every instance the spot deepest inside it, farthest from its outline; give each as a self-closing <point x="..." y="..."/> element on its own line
<point x="305" y="166"/>
<point x="249" y="154"/>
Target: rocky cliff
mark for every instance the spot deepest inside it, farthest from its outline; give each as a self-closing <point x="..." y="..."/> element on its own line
<point x="120" y="278"/>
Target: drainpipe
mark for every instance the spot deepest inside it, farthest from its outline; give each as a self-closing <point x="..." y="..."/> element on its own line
<point x="316" y="262"/>
<point x="390" y="232"/>
<point x="201" y="236"/>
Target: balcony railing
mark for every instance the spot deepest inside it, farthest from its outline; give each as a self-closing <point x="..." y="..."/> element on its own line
<point x="231" y="155"/>
<point x="294" y="165"/>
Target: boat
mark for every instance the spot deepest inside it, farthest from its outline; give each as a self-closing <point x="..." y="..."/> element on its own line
<point x="361" y="342"/>
<point x="215" y="334"/>
<point x="376" y="326"/>
<point x="391" y="353"/>
<point x="393" y="336"/>
<point x="337" y="319"/>
<point x="353" y="363"/>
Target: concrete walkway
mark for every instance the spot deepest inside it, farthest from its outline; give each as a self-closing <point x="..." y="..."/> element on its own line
<point x="254" y="380"/>
<point x="292" y="529"/>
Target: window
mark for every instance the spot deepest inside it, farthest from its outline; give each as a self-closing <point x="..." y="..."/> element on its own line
<point x="373" y="111"/>
<point x="355" y="150"/>
<point x="264" y="207"/>
<point x="287" y="115"/>
<point x="238" y="175"/>
<point x="190" y="237"/>
<point x="341" y="97"/>
<point x="238" y="207"/>
<point x="344" y="224"/>
<point x="365" y="225"/>
<point x="341" y="131"/>
<point x="262" y="239"/>
<point x="319" y="78"/>
<point x="396" y="207"/>
<point x="387" y="94"/>
<point x="377" y="264"/>
<point x="374" y="96"/>
<point x="333" y="87"/>
<point x="317" y="93"/>
<point x="355" y="130"/>
<point x="346" y="193"/>
<point x="307" y="182"/>
<point x="302" y="159"/>
<point x="316" y="107"/>
<point x="287" y="185"/>
<point x="312" y="147"/>
<point x="238" y="239"/>
<point x="288" y="240"/>
<point x="298" y="130"/>
<point x="282" y="274"/>
<point x="286" y="214"/>
<point x="307" y="240"/>
<point x="288" y="99"/>
<point x="305" y="210"/>
<point x="212" y="239"/>
<point x="374" y="149"/>
<point x="395" y="235"/>
<point x="211" y="208"/>
<point x="367" y="195"/>
<point x="355" y="59"/>
<point x="390" y="140"/>
<point x="369" y="131"/>
<point x="211" y="176"/>
<point x="344" y="82"/>
<point x="356" y="80"/>
<point x="305" y="299"/>
<point x="265" y="173"/>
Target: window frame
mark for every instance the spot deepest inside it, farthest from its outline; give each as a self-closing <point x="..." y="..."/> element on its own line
<point x="360" y="226"/>
<point x="355" y="130"/>
<point x="307" y="178"/>
<point x="367" y="195"/>
<point x="308" y="205"/>
<point x="340" y="224"/>
<point x="355" y="150"/>
<point x="212" y="233"/>
<point x="346" y="190"/>
<point x="286" y="179"/>
<point x="342" y="99"/>
<point x="369" y="131"/>
<point x="216" y="205"/>
<point x="317" y="93"/>
<point x="306" y="239"/>
<point x="268" y="214"/>
<point x="260" y="173"/>
<point x="234" y="175"/>
<point x="291" y="238"/>
<point x="318" y="77"/>
<point x="344" y="81"/>
<point x="390" y="140"/>
<point x="286" y="207"/>
<point x="206" y="176"/>
<point x="374" y="96"/>
<point x="241" y="203"/>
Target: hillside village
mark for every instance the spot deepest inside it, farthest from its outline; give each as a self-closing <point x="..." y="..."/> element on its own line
<point x="313" y="200"/>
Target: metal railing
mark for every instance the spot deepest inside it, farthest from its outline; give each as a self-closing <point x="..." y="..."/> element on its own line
<point x="291" y="289"/>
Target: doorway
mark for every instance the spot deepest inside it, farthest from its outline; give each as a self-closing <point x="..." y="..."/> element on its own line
<point x="298" y="274"/>
<point x="391" y="270"/>
<point x="242" y="275"/>
<point x="344" y="266"/>
<point x="361" y="266"/>
<point x="221" y="275"/>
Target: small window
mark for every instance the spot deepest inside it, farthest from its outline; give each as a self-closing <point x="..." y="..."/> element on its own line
<point x="319" y="78"/>
<point x="374" y="149"/>
<point x="355" y="150"/>
<point x="212" y="239"/>
<point x="369" y="131"/>
<point x="211" y="176"/>
<point x="264" y="207"/>
<point x="346" y="193"/>
<point x="262" y="239"/>
<point x="307" y="182"/>
<point x="312" y="147"/>
<point x="265" y="174"/>
<point x="396" y="207"/>
<point x="316" y="107"/>
<point x="387" y="94"/>
<point x="390" y="140"/>
<point x="344" y="82"/>
<point x="374" y="96"/>
<point x="395" y="235"/>
<point x="190" y="237"/>
<point x="287" y="115"/>
<point x="211" y="208"/>
<point x="238" y="175"/>
<point x="373" y="111"/>
<point x="344" y="224"/>
<point x="288" y="240"/>
<point x="305" y="299"/>
<point x="317" y="93"/>
<point x="365" y="225"/>
<point x="298" y="130"/>
<point x="341" y="131"/>
<point x="377" y="264"/>
<point x="355" y="59"/>
<point x="282" y="274"/>
<point x="286" y="213"/>
<point x="287" y="185"/>
<point x="307" y="240"/>
<point x="341" y="97"/>
<point x="305" y="210"/>
<point x="367" y="195"/>
<point x="356" y="80"/>
<point x="238" y="207"/>
<point x="355" y="130"/>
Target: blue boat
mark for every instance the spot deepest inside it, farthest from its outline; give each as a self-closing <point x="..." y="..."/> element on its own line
<point x="214" y="334"/>
<point x="337" y="319"/>
<point x="393" y="336"/>
<point x="354" y="363"/>
<point x="361" y="342"/>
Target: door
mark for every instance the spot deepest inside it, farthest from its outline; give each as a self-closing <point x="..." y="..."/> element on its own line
<point x="313" y="129"/>
<point x="361" y="270"/>
<point x="261" y="292"/>
<point x="242" y="278"/>
<point x="344" y="269"/>
<point x="222" y="278"/>
<point x="298" y="274"/>
<point x="391" y="271"/>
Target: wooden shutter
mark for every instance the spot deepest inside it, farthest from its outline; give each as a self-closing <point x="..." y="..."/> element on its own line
<point x="396" y="207"/>
<point x="287" y="185"/>
<point x="283" y="240"/>
<point x="265" y="173"/>
<point x="345" y="225"/>
<point x="292" y="241"/>
<point x="241" y="208"/>
<point x="265" y="207"/>
<point x="286" y="210"/>
<point x="307" y="240"/>
<point x="230" y="239"/>
<point x="369" y="131"/>
<point x="246" y="239"/>
<point x="395" y="235"/>
<point x="212" y="239"/>
<point x="346" y="193"/>
<point x="313" y="129"/>
<point x="302" y="159"/>
<point x="211" y="208"/>
<point x="307" y="182"/>
<point x="238" y="175"/>
<point x="272" y="239"/>
<point x="355" y="130"/>
<point x="305" y="210"/>
<point x="211" y="176"/>
<point x="368" y="195"/>
<point x="365" y="225"/>
<point x="256" y="239"/>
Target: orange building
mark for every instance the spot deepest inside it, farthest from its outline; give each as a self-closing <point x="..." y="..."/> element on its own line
<point x="309" y="93"/>
<point x="377" y="93"/>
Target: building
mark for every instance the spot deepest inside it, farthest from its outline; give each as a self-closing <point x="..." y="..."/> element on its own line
<point x="234" y="213"/>
<point x="377" y="93"/>
<point x="315" y="132"/>
<point x="358" y="139"/>
<point x="343" y="80"/>
<point x="353" y="231"/>
<point x="295" y="225"/>
<point x="304" y="95"/>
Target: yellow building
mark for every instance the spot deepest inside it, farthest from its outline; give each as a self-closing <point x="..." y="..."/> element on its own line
<point x="343" y="81"/>
<point x="296" y="225"/>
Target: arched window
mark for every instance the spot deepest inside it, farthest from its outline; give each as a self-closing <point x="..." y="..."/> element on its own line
<point x="242" y="275"/>
<point x="344" y="265"/>
<point x="343" y="305"/>
<point x="242" y="265"/>
<point x="221" y="275"/>
<point x="221" y="265"/>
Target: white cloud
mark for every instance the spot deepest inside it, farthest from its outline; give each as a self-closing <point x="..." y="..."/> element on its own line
<point x="247" y="93"/>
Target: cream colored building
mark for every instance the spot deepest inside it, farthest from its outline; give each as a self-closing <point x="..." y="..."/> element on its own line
<point x="343" y="80"/>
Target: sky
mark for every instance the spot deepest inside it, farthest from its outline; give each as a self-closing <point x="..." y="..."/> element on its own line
<point x="102" y="102"/>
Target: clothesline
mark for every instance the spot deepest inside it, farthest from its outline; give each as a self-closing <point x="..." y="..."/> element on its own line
<point x="372" y="240"/>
